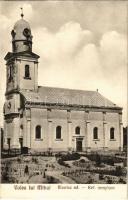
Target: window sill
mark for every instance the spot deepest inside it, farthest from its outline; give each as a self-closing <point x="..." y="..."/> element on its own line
<point x="112" y="139"/>
<point x="96" y="139"/>
<point x="28" y="78"/>
<point x="38" y="139"/>
<point x="59" y="139"/>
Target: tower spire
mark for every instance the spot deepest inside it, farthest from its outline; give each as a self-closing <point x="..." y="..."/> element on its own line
<point x="22" y="15"/>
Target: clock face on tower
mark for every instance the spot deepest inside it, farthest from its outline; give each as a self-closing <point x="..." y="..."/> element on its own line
<point x="27" y="32"/>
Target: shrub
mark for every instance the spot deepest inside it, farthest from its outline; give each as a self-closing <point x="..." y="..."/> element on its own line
<point x="101" y="177"/>
<point x="118" y="171"/>
<point x="90" y="180"/>
<point x="108" y="159"/>
<point x="98" y="160"/>
<point x="5" y="178"/>
<point x="82" y="161"/>
<point x="69" y="156"/>
<point x="35" y="160"/>
<point x="109" y="180"/>
<point x="110" y="162"/>
<point x="58" y="155"/>
<point x="18" y="160"/>
<point x="61" y="162"/>
<point x="122" y="181"/>
<point x="125" y="163"/>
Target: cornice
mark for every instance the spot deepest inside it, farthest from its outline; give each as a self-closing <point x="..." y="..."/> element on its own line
<point x="71" y="107"/>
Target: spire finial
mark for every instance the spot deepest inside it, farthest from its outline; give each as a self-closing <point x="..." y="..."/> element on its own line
<point x="22" y="15"/>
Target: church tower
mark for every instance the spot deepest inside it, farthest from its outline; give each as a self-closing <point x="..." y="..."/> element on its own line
<point x="21" y="63"/>
<point x="21" y="74"/>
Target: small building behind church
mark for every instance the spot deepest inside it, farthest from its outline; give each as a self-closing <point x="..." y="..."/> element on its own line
<point x="53" y="119"/>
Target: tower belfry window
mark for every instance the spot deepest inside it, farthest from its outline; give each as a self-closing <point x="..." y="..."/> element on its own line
<point x="95" y="133"/>
<point x="27" y="72"/>
<point x="10" y="76"/>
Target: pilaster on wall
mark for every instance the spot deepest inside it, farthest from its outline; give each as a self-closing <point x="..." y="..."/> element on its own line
<point x="49" y="134"/>
<point x="5" y="137"/>
<point x="69" y="124"/>
<point x="87" y="131"/>
<point x="5" y="143"/>
<point x="35" y="76"/>
<point x="104" y="131"/>
<point x="15" y="139"/>
<point x="49" y="129"/>
<point x="27" y="133"/>
<point x="120" y="132"/>
<point x="88" y="135"/>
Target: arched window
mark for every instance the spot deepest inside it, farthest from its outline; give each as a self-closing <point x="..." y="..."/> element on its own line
<point x="95" y="133"/>
<point x="112" y="133"/>
<point x="58" y="132"/>
<point x="77" y="130"/>
<point x="27" y="71"/>
<point x="38" y="132"/>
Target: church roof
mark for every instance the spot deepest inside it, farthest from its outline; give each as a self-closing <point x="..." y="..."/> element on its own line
<point x="52" y="95"/>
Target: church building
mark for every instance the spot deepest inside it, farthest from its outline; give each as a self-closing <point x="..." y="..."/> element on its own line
<point x="53" y="119"/>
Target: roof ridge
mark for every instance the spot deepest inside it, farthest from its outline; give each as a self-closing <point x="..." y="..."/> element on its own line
<point x="67" y="89"/>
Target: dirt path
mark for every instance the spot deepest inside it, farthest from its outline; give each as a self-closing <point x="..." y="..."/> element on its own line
<point x="37" y="179"/>
<point x="63" y="179"/>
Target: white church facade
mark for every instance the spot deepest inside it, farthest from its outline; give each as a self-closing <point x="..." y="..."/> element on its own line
<point x="53" y="119"/>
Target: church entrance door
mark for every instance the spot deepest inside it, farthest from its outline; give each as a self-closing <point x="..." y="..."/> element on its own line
<point x="78" y="145"/>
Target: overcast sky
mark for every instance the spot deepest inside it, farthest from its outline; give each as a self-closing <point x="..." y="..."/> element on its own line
<point x="81" y="45"/>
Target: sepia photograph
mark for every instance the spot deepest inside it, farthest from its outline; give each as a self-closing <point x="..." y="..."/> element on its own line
<point x="63" y="92"/>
